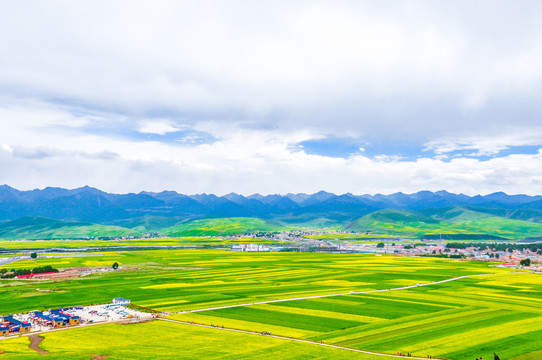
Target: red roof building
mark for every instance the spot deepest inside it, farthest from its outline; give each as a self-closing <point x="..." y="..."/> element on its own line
<point x="32" y="275"/>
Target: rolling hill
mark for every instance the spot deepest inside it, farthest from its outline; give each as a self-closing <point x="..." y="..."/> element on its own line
<point x="37" y="228"/>
<point x="449" y="221"/>
<point x="222" y="226"/>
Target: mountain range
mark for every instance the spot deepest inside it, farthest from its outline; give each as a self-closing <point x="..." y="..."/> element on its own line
<point x="92" y="205"/>
<point x="171" y="213"/>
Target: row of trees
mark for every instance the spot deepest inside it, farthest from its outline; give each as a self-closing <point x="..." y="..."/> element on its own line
<point x="16" y="272"/>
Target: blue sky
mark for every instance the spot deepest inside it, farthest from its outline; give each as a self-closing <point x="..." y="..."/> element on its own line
<point x="272" y="97"/>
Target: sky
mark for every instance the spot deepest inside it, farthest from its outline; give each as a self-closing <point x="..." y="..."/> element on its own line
<point x="272" y="96"/>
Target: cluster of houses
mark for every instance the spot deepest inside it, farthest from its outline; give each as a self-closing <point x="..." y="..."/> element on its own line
<point x="18" y="324"/>
<point x="53" y="318"/>
<point x="510" y="256"/>
<point x="10" y="325"/>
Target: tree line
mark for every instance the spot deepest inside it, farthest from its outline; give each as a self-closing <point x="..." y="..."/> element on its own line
<point x="4" y="274"/>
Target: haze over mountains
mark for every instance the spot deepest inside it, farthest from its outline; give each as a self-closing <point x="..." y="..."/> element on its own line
<point x="92" y="205"/>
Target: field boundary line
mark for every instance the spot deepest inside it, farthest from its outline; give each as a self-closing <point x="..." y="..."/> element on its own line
<point x="297" y="340"/>
<point x="343" y="294"/>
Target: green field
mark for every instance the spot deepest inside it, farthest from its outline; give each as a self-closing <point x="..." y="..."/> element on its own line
<point x="457" y="320"/>
<point x="463" y="319"/>
<point x="175" y="280"/>
<point x="163" y="340"/>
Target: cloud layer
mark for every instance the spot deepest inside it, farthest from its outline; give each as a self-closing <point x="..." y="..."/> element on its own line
<point x="346" y="96"/>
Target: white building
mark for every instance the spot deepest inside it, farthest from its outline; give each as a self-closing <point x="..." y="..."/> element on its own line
<point x="121" y="301"/>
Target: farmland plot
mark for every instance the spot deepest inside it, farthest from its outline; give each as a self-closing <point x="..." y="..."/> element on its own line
<point x="458" y="320"/>
<point x="161" y="340"/>
<point x="462" y="319"/>
<point x="176" y="280"/>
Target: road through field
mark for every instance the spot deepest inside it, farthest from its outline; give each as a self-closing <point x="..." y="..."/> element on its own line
<point x="297" y="340"/>
<point x="342" y="294"/>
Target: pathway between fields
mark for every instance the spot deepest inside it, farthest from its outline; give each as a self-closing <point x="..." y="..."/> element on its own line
<point x="342" y="294"/>
<point x="297" y="340"/>
<point x="35" y="341"/>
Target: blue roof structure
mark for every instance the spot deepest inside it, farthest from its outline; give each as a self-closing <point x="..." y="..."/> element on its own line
<point x="14" y="324"/>
<point x="60" y="312"/>
<point x="56" y="316"/>
<point x="12" y="320"/>
<point x="51" y="317"/>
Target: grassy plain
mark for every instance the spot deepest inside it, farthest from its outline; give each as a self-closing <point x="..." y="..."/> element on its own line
<point x="464" y="319"/>
<point x="458" y="320"/>
<point x="174" y="280"/>
<point x="162" y="340"/>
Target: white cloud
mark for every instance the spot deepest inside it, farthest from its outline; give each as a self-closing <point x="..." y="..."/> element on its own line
<point x="312" y="63"/>
<point x="78" y="79"/>
<point x="487" y="145"/>
<point x="241" y="160"/>
<point x="159" y="126"/>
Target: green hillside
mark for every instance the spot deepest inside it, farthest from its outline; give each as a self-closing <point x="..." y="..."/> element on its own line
<point x="221" y="226"/>
<point x="456" y="220"/>
<point x="34" y="228"/>
<point x="149" y="223"/>
<point x="398" y="216"/>
<point x="465" y="221"/>
<point x="397" y="222"/>
<point x="526" y="215"/>
<point x="313" y="220"/>
<point x="458" y="214"/>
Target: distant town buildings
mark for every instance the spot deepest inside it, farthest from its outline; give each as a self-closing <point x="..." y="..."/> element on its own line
<point x="251" y="248"/>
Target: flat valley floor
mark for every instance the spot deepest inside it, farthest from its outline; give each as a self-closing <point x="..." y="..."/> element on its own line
<point x="498" y="311"/>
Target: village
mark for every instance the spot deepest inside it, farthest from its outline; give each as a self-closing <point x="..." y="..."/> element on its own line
<point x="511" y="256"/>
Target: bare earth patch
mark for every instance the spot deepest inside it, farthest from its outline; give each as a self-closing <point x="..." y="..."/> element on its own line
<point x="35" y="341"/>
<point x="99" y="357"/>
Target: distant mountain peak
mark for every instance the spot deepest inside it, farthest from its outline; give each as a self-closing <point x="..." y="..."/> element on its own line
<point x="498" y="193"/>
<point x="322" y="192"/>
<point x="7" y="187"/>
